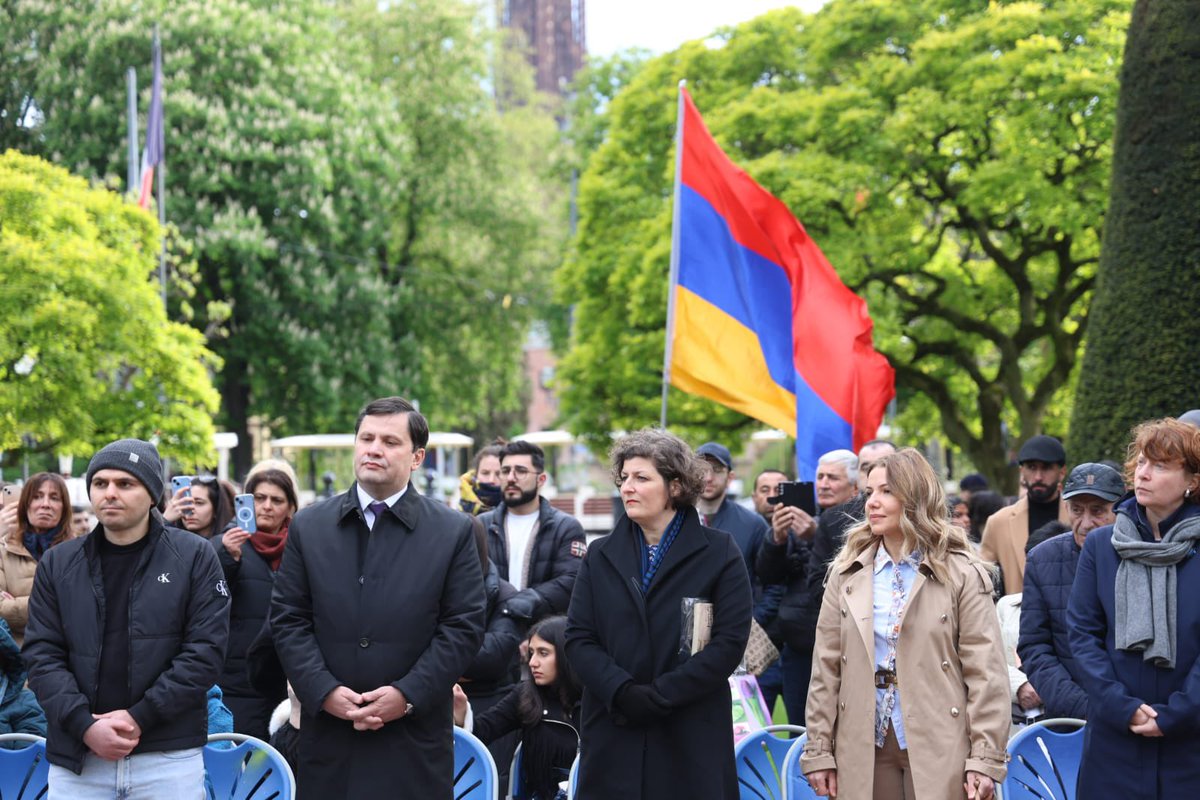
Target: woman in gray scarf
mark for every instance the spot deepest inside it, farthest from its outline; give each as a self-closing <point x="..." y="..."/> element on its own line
<point x="1134" y="619"/>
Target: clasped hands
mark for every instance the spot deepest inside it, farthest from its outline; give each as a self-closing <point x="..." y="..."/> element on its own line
<point x="369" y="711"/>
<point x="1144" y="722"/>
<point x="113" y="735"/>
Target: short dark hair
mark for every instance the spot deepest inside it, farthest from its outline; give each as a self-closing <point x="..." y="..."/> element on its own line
<point x="418" y="428"/>
<point x="769" y="471"/>
<point x="669" y="454"/>
<point x="277" y="478"/>
<point x="523" y="448"/>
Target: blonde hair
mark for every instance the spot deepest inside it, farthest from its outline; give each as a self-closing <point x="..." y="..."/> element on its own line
<point x="925" y="522"/>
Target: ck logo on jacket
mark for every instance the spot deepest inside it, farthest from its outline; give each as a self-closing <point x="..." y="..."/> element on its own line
<point x="164" y="578"/>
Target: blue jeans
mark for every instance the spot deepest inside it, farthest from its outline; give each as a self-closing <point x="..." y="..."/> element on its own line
<point x="166" y="775"/>
<point x="797" y="671"/>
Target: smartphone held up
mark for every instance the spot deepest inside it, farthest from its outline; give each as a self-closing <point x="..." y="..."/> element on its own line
<point x="243" y="513"/>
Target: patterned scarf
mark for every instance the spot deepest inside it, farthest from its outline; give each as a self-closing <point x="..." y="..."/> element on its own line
<point x="38" y="543"/>
<point x="653" y="554"/>
<point x="884" y="709"/>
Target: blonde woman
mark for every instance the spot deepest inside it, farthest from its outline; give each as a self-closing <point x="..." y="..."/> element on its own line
<point x="909" y="676"/>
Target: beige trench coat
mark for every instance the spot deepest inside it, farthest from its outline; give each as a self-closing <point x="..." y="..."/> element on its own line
<point x="950" y="671"/>
<point x="1004" y="536"/>
<point x="16" y="577"/>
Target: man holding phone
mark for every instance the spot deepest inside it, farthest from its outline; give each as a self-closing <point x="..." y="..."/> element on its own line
<point x="126" y="634"/>
<point x="377" y="610"/>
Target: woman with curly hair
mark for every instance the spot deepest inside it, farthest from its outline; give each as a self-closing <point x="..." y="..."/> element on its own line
<point x="656" y="717"/>
<point x="909" y="676"/>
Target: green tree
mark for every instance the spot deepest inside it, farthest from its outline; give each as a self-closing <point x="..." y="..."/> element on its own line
<point x="477" y="224"/>
<point x="86" y="352"/>
<point x="1140" y="361"/>
<point x="950" y="157"/>
<point x="364" y="221"/>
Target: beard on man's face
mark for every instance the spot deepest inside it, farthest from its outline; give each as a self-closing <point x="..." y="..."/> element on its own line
<point x="1041" y="492"/>
<point x="526" y="496"/>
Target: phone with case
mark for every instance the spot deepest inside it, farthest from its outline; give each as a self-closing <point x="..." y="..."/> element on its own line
<point x="243" y="513"/>
<point x="182" y="482"/>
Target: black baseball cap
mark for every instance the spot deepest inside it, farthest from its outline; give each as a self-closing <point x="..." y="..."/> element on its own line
<point x="1095" y="479"/>
<point x="718" y="451"/>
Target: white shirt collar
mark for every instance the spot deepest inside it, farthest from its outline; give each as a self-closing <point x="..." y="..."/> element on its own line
<point x="365" y="499"/>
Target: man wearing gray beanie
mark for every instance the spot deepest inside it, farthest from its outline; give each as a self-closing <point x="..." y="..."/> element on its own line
<point x="126" y="634"/>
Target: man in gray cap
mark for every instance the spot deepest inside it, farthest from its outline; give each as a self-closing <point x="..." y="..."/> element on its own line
<point x="1042" y="462"/>
<point x="127" y="631"/>
<point x="1090" y="492"/>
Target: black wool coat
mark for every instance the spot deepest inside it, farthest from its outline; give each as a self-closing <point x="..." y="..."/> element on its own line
<point x="411" y="616"/>
<point x="616" y="635"/>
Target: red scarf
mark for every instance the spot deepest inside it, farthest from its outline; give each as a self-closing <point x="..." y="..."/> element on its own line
<point x="270" y="545"/>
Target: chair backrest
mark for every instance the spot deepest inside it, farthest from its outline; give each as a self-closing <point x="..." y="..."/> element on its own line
<point x="516" y="782"/>
<point x="573" y="779"/>
<point x="251" y="770"/>
<point x="475" y="775"/>
<point x="1044" y="761"/>
<point x="795" y="785"/>
<point x="24" y="773"/>
<point x="759" y="758"/>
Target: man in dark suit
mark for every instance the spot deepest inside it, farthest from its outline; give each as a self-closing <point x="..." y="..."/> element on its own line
<point x="377" y="609"/>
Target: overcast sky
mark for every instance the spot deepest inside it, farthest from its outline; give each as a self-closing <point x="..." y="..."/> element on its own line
<point x="663" y="25"/>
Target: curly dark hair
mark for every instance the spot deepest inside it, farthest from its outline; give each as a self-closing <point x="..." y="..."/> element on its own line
<point x="669" y="454"/>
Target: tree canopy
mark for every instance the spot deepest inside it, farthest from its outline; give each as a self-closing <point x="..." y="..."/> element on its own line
<point x="364" y="221"/>
<point x="86" y="352"/>
<point x="951" y="159"/>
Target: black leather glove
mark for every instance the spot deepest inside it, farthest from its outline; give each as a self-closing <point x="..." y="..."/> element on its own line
<point x="525" y="606"/>
<point x="640" y="704"/>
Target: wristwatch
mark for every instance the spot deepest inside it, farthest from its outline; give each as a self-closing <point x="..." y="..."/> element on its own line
<point x="408" y="709"/>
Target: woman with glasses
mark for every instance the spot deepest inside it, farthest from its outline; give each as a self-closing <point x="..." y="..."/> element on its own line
<point x="658" y="622"/>
<point x="251" y="561"/>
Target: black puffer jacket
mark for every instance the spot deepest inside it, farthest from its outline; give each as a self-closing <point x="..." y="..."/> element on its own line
<point x="801" y="566"/>
<point x="558" y="549"/>
<point x="495" y="665"/>
<point x="178" y="626"/>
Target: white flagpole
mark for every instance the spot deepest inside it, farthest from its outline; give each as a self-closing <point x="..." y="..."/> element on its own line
<point x="674" y="277"/>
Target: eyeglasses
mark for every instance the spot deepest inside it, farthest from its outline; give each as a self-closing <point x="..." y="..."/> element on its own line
<point x="520" y="472"/>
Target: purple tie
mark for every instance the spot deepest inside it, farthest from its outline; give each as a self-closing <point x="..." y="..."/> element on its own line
<point x="377" y="508"/>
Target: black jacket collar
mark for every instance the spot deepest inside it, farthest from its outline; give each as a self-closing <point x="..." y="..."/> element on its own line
<point x="406" y="509"/>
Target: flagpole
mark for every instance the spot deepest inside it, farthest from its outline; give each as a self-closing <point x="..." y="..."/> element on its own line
<point x="158" y="179"/>
<point x="674" y="275"/>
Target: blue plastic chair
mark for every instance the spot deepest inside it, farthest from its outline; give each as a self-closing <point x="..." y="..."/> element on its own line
<point x="1044" y="762"/>
<point x="252" y="770"/>
<point x="573" y="780"/>
<point x="795" y="785"/>
<point x="759" y="758"/>
<point x="516" y="784"/>
<point x="475" y="775"/>
<point x="24" y="773"/>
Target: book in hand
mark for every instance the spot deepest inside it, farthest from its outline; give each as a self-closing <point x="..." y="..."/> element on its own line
<point x="695" y="630"/>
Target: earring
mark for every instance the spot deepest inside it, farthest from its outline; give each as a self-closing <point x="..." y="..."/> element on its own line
<point x="1187" y="493"/>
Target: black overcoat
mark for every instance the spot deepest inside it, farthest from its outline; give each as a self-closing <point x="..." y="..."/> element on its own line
<point x="250" y="581"/>
<point x="410" y="617"/>
<point x="615" y="635"/>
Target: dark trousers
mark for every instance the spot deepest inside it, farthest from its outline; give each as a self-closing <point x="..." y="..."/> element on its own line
<point x="797" y="671"/>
